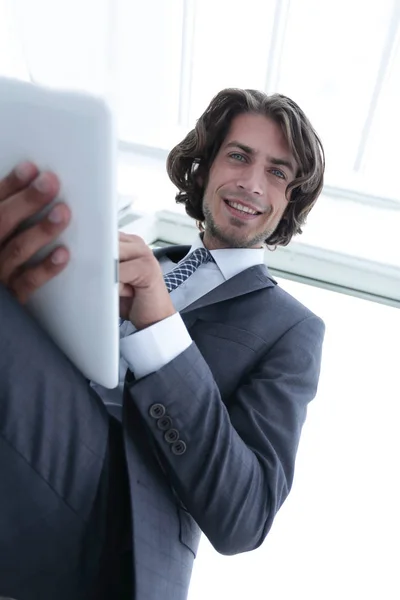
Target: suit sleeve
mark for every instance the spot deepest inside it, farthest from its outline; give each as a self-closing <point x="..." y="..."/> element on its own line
<point x="233" y="469"/>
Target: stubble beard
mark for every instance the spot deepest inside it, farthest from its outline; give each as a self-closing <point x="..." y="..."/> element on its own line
<point x="231" y="239"/>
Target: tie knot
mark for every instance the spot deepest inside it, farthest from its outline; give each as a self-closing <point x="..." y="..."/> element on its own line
<point x="198" y="257"/>
<point x="186" y="268"/>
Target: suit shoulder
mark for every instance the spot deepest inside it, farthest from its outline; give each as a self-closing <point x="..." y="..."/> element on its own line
<point x="289" y="303"/>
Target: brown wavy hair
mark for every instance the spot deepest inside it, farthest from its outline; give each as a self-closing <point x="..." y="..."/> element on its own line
<point x="188" y="164"/>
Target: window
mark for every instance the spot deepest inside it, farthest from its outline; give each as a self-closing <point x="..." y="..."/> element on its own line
<point x="331" y="62"/>
<point x="337" y="534"/>
<point x="160" y="63"/>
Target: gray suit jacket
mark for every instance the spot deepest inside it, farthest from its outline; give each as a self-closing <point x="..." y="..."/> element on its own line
<point x="211" y="438"/>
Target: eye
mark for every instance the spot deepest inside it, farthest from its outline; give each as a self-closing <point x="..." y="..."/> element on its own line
<point x="278" y="173"/>
<point x="237" y="156"/>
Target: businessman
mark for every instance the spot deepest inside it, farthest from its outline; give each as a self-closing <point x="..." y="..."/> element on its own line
<point x="104" y="492"/>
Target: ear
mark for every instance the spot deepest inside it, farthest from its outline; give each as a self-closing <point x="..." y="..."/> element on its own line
<point x="199" y="178"/>
<point x="201" y="175"/>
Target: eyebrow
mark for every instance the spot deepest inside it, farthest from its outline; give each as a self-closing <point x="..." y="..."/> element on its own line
<point x="282" y="162"/>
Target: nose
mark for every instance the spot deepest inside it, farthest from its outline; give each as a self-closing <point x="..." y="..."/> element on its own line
<point x="252" y="180"/>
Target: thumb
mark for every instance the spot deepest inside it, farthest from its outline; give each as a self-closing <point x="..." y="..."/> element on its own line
<point x="125" y="305"/>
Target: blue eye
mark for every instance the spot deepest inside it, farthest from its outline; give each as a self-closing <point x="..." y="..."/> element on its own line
<point x="279" y="173"/>
<point x="238" y="156"/>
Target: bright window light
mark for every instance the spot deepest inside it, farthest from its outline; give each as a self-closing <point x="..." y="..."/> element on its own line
<point x="337" y="534"/>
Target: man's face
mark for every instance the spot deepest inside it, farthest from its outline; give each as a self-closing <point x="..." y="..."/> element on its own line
<point x="245" y="195"/>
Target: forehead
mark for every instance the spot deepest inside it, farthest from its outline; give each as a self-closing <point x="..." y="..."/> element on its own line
<point x="260" y="133"/>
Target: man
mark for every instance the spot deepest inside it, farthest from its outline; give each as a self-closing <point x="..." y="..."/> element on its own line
<point x="218" y="365"/>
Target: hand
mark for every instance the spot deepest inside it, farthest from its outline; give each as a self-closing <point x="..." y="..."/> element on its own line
<point x="24" y="193"/>
<point x="144" y="298"/>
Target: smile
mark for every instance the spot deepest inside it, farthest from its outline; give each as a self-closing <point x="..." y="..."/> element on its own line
<point x="241" y="210"/>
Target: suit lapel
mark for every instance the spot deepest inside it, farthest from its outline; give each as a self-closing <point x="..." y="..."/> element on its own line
<point x="174" y="253"/>
<point x="251" y="280"/>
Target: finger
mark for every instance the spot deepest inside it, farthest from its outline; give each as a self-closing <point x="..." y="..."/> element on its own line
<point x="17" y="180"/>
<point x="125" y="305"/>
<point x="133" y="249"/>
<point x="33" y="278"/>
<point x="26" y="203"/>
<point x="130" y="237"/>
<point x="130" y="273"/>
<point x="125" y="291"/>
<point x="127" y="251"/>
<point x="136" y="274"/>
<point x="25" y="245"/>
<point x="125" y="237"/>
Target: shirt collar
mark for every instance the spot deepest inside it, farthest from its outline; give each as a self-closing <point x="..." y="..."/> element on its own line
<point x="232" y="261"/>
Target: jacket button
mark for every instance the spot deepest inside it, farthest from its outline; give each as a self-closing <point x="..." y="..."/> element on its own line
<point x="157" y="411"/>
<point x="164" y="423"/>
<point x="178" y="448"/>
<point x="171" y="436"/>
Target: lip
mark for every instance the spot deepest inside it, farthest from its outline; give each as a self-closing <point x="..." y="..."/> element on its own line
<point x="243" y="203"/>
<point x="238" y="214"/>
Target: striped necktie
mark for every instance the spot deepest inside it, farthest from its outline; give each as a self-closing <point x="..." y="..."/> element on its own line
<point x="186" y="268"/>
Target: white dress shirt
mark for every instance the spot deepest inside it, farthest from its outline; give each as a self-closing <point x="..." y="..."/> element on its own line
<point x="148" y="350"/>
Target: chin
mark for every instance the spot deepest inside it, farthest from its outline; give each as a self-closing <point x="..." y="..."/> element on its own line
<point x="229" y="233"/>
<point x="226" y="239"/>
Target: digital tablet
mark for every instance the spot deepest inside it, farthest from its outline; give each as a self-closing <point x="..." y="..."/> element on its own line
<point x="73" y="135"/>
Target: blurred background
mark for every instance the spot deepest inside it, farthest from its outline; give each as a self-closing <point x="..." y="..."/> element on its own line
<point x="158" y="63"/>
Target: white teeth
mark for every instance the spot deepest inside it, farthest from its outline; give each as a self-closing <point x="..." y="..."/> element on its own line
<point x="239" y="206"/>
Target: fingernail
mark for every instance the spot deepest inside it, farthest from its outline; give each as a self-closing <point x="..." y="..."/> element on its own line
<point x="56" y="215"/>
<point x="24" y="171"/>
<point x="59" y="257"/>
<point x="43" y="184"/>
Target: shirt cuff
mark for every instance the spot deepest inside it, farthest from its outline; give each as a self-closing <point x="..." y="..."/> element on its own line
<point x="148" y="350"/>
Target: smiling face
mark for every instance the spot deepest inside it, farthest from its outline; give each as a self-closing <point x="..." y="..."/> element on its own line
<point x="245" y="197"/>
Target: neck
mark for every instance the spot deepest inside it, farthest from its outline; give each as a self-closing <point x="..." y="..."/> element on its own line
<point x="213" y="244"/>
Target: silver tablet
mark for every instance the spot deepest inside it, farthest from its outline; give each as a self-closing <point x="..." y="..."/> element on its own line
<point x="72" y="134"/>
